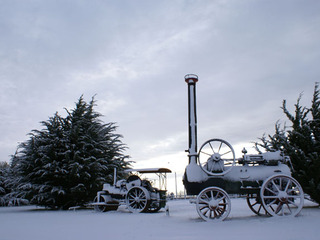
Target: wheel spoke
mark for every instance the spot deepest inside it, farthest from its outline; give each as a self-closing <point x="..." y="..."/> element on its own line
<point x="279" y="206"/>
<point x="205" y="153"/>
<point x="205" y="198"/>
<point x="275" y="185"/>
<point x="217" y="195"/>
<point x="211" y="214"/>
<point x="271" y="191"/>
<point x="203" y="207"/>
<point x="295" y="189"/>
<point x="206" y="212"/>
<point x="289" y="208"/>
<point x="214" y="213"/>
<point x="225" y="153"/>
<point x="259" y="209"/>
<point x="211" y="147"/>
<point x="141" y="194"/>
<point x="212" y="195"/>
<point x="293" y="203"/>
<point x="202" y="201"/>
<point x="219" y="147"/>
<point x="269" y="204"/>
<point x="135" y="193"/>
<point x="282" y="210"/>
<point x="287" y="186"/>
<point x="221" y="199"/>
<point x="271" y="208"/>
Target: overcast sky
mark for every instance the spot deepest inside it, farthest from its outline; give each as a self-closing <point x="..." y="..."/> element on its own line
<point x="249" y="56"/>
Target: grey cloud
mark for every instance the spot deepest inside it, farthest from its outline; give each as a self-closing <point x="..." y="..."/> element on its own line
<point x="249" y="55"/>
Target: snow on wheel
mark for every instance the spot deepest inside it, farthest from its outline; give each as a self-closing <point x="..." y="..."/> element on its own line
<point x="256" y="206"/>
<point x="138" y="199"/>
<point x="213" y="203"/>
<point x="282" y="195"/>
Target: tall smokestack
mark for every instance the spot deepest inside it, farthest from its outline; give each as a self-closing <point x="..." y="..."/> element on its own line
<point x="191" y="80"/>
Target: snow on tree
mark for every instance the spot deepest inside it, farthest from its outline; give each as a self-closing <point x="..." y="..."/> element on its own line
<point x="300" y="141"/>
<point x="7" y="184"/>
<point x="4" y="169"/>
<point x="66" y="162"/>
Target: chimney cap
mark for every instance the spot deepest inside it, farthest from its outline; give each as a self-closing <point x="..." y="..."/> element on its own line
<point x="191" y="78"/>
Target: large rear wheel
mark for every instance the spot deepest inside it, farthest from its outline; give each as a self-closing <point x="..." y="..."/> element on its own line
<point x="282" y="195"/>
<point x="138" y="199"/>
<point x="256" y="206"/>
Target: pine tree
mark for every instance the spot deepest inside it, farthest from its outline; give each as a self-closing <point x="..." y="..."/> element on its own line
<point x="66" y="163"/>
<point x="301" y="142"/>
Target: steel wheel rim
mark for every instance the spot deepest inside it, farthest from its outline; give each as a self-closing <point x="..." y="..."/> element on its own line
<point x="282" y="196"/>
<point x="213" y="204"/>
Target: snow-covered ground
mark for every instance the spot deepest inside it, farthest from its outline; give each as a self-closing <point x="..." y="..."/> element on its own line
<point x="30" y="222"/>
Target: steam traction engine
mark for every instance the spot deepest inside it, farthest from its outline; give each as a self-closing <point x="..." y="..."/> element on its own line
<point x="213" y="173"/>
<point x="137" y="194"/>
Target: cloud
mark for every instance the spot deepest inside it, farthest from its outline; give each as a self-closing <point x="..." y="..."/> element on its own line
<point x="133" y="55"/>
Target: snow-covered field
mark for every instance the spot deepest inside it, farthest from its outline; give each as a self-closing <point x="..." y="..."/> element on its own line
<point x="30" y="222"/>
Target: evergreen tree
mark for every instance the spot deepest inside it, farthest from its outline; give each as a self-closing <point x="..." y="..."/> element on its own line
<point x="4" y="168"/>
<point x="7" y="187"/>
<point x="301" y="142"/>
<point x="66" y="163"/>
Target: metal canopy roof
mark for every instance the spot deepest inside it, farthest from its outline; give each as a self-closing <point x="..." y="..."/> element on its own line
<point x="149" y="170"/>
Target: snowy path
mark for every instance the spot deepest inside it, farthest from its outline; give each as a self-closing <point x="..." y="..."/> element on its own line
<point x="26" y="223"/>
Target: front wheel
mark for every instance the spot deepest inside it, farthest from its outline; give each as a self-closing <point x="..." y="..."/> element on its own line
<point x="99" y="208"/>
<point x="213" y="203"/>
<point x="106" y="205"/>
